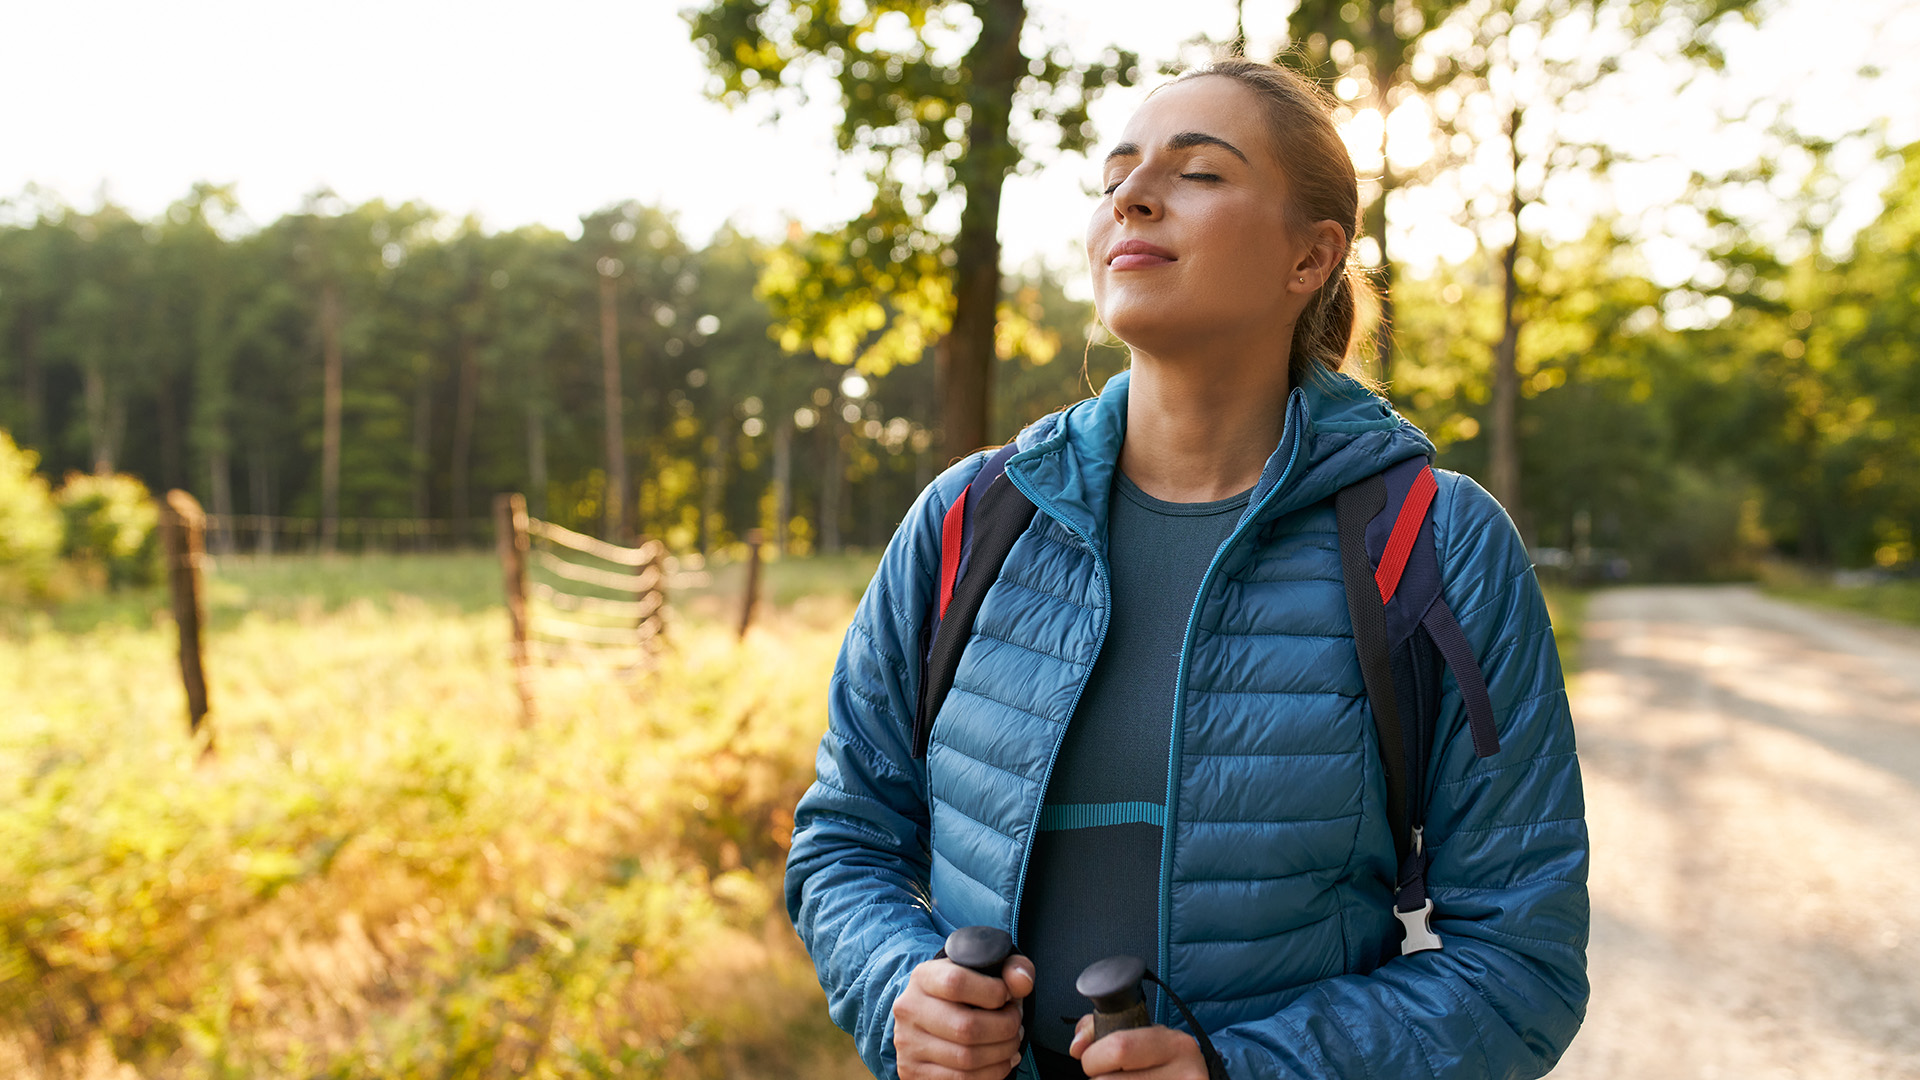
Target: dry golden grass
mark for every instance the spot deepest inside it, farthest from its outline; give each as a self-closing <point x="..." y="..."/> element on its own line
<point x="382" y="873"/>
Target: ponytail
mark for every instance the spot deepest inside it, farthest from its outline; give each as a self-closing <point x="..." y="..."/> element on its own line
<point x="1323" y="338"/>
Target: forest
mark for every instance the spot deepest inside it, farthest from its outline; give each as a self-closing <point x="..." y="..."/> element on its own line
<point x="370" y="375"/>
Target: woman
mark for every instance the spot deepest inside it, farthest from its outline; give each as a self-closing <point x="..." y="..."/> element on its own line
<point x="1157" y="741"/>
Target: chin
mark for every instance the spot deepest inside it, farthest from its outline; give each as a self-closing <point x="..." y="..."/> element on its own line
<point x="1162" y="326"/>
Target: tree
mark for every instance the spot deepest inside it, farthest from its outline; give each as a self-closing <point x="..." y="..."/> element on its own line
<point x="1514" y="71"/>
<point x="338" y="257"/>
<point x="928" y="90"/>
<point x="1372" y="43"/>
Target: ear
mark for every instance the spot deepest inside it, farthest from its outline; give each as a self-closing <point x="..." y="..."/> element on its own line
<point x="1326" y="250"/>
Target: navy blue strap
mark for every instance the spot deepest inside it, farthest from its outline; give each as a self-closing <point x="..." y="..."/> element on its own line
<point x="1354" y="508"/>
<point x="995" y="514"/>
<point x="1410" y="893"/>
<point x="1452" y="642"/>
<point x="982" y="480"/>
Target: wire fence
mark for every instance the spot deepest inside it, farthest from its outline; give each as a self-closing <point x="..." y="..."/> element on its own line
<point x="263" y="534"/>
<point x="589" y="601"/>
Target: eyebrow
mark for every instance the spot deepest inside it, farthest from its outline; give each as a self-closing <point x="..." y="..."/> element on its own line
<point x="1182" y="141"/>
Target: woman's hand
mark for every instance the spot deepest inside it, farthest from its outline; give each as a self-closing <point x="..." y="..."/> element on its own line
<point x="1147" y="1053"/>
<point x="956" y="1024"/>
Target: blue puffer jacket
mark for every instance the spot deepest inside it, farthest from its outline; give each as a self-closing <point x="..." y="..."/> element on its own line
<point x="1275" y="888"/>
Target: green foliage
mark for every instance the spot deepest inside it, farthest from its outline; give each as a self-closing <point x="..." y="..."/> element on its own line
<point x="1893" y="600"/>
<point x="29" y="524"/>
<point x="111" y="527"/>
<point x="382" y="874"/>
<point x="928" y="92"/>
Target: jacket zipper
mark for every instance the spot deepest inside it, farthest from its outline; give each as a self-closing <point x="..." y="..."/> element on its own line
<point x="1105" y="577"/>
<point x="1164" y="946"/>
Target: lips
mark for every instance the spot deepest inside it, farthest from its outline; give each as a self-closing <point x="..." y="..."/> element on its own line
<point x="1137" y="255"/>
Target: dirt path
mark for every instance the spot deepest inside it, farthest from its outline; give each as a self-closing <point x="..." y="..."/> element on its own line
<point x="1752" y="773"/>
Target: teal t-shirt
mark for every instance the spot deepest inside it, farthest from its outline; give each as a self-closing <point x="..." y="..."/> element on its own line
<point x="1093" y="882"/>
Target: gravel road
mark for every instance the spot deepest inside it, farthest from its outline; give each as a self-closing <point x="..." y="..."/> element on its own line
<point x="1752" y="774"/>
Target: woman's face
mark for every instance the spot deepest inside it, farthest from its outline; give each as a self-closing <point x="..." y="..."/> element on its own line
<point x="1192" y="243"/>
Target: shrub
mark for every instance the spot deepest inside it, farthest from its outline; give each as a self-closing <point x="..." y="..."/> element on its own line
<point x="111" y="525"/>
<point x="29" y="524"/>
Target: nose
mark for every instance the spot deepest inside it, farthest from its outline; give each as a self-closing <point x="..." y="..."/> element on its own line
<point x="1135" y="198"/>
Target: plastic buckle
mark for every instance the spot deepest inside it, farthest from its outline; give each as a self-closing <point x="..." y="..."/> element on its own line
<point x="1419" y="930"/>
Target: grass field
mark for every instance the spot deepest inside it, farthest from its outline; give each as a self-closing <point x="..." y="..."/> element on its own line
<point x="1568" y="610"/>
<point x="1895" y="601"/>
<point x="381" y="872"/>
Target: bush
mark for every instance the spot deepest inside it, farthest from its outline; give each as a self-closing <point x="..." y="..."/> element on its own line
<point x="29" y="524"/>
<point x="111" y="528"/>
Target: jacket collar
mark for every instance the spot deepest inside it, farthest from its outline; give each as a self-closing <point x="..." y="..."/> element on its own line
<point x="1336" y="433"/>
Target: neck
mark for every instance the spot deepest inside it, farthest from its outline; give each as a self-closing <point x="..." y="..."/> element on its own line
<point x="1199" y="431"/>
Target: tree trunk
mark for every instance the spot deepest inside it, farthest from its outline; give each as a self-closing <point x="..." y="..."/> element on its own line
<point x="832" y="480"/>
<point x="465" y="400"/>
<point x="423" y="452"/>
<point x="965" y="358"/>
<point x="616" y="509"/>
<point x="220" y="491"/>
<point x="99" y="421"/>
<point x="260" y="499"/>
<point x="536" y="458"/>
<point x="167" y="415"/>
<point x="1386" y="52"/>
<point x="1503" y="472"/>
<point x="330" y="417"/>
<point x="33" y="386"/>
<point x="782" y="480"/>
<point x="713" y="485"/>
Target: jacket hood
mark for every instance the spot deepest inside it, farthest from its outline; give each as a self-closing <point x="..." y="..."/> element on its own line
<point x="1336" y="432"/>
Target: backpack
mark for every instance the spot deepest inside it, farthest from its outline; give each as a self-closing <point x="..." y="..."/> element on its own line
<point x="1402" y="628"/>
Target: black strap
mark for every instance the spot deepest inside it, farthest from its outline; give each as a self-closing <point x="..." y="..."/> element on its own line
<point x="990" y="527"/>
<point x="1452" y="642"/>
<point x="1216" y="1068"/>
<point x="1354" y="507"/>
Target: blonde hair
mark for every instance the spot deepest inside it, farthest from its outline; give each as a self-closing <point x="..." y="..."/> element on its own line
<point x="1323" y="187"/>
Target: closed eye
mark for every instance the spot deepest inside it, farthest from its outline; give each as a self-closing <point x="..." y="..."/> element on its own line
<point x="1199" y="176"/>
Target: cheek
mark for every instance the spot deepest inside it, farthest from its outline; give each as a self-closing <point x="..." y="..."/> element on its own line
<point x="1255" y="247"/>
<point x="1099" y="228"/>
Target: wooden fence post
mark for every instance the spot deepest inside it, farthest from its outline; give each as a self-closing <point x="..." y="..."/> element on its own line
<point x="183" y="534"/>
<point x="652" y="572"/>
<point x="754" y="539"/>
<point x="510" y="529"/>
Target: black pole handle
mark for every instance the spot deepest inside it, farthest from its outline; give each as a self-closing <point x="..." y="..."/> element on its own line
<point x="1113" y="985"/>
<point x="978" y="948"/>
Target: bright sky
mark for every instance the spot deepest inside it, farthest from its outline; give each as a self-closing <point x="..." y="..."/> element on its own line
<point x="541" y="112"/>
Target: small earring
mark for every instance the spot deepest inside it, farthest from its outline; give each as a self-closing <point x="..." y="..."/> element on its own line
<point x="1303" y="281"/>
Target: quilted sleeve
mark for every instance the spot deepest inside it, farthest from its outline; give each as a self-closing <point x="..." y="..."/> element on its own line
<point x="856" y="882"/>
<point x="1508" y="834"/>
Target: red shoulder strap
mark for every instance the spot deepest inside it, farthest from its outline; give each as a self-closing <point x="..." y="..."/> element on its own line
<point x="1393" y="561"/>
<point x="952" y="533"/>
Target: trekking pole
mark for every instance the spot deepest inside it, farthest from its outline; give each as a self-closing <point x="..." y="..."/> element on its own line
<point x="1113" y="985"/>
<point x="978" y="948"/>
<point x="1119" y="1003"/>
